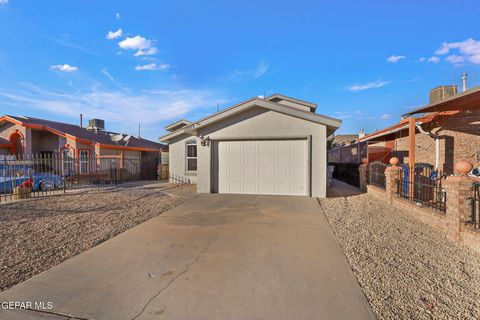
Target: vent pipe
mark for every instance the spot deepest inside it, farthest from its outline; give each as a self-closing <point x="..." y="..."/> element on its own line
<point x="464" y="81"/>
<point x="81" y="120"/>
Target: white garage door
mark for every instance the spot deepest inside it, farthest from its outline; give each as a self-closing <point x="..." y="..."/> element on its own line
<point x="276" y="167"/>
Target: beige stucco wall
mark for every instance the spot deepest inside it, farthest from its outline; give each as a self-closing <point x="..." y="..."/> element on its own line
<point x="10" y="128"/>
<point x="177" y="160"/>
<point x="256" y="123"/>
<point x="45" y="141"/>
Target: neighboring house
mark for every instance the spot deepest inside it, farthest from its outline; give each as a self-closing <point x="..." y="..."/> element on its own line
<point x="27" y="137"/>
<point x="339" y="140"/>
<point x="447" y="130"/>
<point x="276" y="145"/>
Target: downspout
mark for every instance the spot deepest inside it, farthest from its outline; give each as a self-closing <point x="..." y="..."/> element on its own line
<point x="436" y="138"/>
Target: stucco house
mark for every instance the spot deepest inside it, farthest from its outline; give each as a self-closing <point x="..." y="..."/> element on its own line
<point x="275" y="145"/>
<point x="82" y="149"/>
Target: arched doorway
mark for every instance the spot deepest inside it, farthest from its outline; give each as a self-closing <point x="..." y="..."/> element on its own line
<point x="16" y="141"/>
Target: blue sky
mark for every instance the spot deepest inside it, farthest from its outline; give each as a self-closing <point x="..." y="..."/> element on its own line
<point x="365" y="62"/>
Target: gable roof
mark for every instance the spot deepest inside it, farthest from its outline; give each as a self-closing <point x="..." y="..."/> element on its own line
<point x="83" y="135"/>
<point x="277" y="97"/>
<point x="177" y="124"/>
<point x="331" y="123"/>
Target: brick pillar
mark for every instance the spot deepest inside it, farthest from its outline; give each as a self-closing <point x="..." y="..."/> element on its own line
<point x="363" y="172"/>
<point x="392" y="177"/>
<point x="459" y="191"/>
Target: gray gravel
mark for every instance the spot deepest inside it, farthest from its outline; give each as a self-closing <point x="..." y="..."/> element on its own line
<point x="406" y="269"/>
<point x="39" y="233"/>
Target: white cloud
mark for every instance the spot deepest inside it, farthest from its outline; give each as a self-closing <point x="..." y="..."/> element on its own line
<point x="256" y="73"/>
<point x="367" y="86"/>
<point x="147" y="52"/>
<point x="3" y="1"/>
<point x="455" y="60"/>
<point x="64" y="68"/>
<point x="434" y="59"/>
<point x="385" y="116"/>
<point x="422" y="59"/>
<point x="148" y="107"/>
<point x="117" y="16"/>
<point x="152" y="66"/>
<point x="469" y="49"/>
<point x="114" y="34"/>
<point x="395" y="59"/>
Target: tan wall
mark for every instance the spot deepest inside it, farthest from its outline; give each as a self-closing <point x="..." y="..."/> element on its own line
<point x="45" y="141"/>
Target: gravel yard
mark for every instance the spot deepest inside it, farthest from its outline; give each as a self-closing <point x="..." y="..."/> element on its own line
<point x="406" y="269"/>
<point x="39" y="233"/>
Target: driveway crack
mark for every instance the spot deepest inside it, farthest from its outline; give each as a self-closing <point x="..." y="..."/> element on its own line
<point x="187" y="268"/>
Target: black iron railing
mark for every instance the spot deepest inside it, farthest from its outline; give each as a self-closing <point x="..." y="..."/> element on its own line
<point x="376" y="174"/>
<point x="423" y="187"/>
<point x="475" y="218"/>
<point x="42" y="174"/>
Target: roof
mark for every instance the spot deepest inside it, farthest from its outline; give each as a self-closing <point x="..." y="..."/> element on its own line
<point x="183" y="122"/>
<point x="331" y="123"/>
<point x="469" y="99"/>
<point x="340" y="139"/>
<point x="278" y="96"/>
<point x="404" y="125"/>
<point x="82" y="134"/>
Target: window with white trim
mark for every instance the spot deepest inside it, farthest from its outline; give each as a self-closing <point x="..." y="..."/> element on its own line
<point x="67" y="156"/>
<point x="84" y="163"/>
<point x="191" y="152"/>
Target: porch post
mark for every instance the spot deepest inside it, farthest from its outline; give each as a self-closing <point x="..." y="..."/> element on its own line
<point x="363" y="174"/>
<point x="411" y="151"/>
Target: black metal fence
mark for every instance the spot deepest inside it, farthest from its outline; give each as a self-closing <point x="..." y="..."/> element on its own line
<point x="475" y="218"/>
<point x="423" y="187"/>
<point x="347" y="172"/>
<point x="376" y="174"/>
<point x="41" y="174"/>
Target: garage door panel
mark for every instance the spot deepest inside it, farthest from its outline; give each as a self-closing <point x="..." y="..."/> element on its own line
<point x="263" y="167"/>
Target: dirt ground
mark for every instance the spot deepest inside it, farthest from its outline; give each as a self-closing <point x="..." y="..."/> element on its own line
<point x="39" y="233"/>
<point x="406" y="269"/>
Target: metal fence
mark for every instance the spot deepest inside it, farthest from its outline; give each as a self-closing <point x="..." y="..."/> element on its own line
<point x="423" y="187"/>
<point x="475" y="218"/>
<point x="41" y="174"/>
<point x="376" y="174"/>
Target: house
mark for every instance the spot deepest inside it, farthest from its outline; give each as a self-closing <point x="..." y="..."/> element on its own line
<point x="440" y="133"/>
<point x="79" y="147"/>
<point x="274" y="145"/>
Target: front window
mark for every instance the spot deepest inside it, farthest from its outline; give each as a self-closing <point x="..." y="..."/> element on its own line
<point x="191" y="156"/>
<point x="84" y="155"/>
<point x="67" y="162"/>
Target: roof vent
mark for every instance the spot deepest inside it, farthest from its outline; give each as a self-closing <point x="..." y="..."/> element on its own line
<point x="442" y="92"/>
<point x="96" y="125"/>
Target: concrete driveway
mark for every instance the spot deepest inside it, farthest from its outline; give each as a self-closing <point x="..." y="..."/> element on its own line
<point x="215" y="257"/>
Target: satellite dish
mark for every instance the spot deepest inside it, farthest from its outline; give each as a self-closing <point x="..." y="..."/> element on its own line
<point x="126" y="139"/>
<point x="117" y="137"/>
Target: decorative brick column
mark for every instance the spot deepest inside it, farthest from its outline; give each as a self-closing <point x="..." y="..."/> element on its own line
<point x="392" y="177"/>
<point x="363" y="174"/>
<point x="459" y="191"/>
